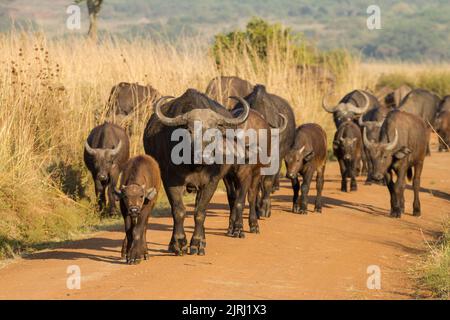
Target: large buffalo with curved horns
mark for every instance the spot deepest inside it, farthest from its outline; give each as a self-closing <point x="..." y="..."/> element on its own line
<point x="106" y="151"/>
<point x="400" y="149"/>
<point x="195" y="171"/>
<point x="351" y="106"/>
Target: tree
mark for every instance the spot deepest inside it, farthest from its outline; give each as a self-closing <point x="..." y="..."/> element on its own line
<point x="94" y="7"/>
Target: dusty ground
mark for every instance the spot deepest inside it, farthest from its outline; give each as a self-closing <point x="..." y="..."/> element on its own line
<point x="323" y="256"/>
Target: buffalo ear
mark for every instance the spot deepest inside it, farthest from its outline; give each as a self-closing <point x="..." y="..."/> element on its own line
<point x="309" y="156"/>
<point x="150" y="193"/>
<point x="403" y="152"/>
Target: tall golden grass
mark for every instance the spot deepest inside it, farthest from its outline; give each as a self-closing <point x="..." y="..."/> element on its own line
<point x="53" y="92"/>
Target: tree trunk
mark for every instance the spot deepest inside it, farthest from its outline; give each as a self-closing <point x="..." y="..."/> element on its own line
<point x="93" y="9"/>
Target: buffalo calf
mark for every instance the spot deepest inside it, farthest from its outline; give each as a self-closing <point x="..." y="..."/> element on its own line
<point x="139" y="186"/>
<point x="105" y="153"/>
<point x="347" y="147"/>
<point x="307" y="156"/>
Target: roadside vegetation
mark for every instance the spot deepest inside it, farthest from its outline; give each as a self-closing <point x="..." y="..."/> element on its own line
<point x="52" y="92"/>
<point x="435" y="271"/>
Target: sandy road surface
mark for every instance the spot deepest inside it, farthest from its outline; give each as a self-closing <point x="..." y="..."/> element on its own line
<point x="321" y="256"/>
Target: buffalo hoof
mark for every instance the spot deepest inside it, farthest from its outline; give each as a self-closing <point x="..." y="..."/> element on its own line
<point x="303" y="211"/>
<point x="296" y="208"/>
<point x="396" y="213"/>
<point x="368" y="182"/>
<point x="318" y="210"/>
<point x="239" y="233"/>
<point x="194" y="250"/>
<point x="254" y="229"/>
<point x="145" y="256"/>
<point x="416" y="213"/>
<point x="344" y="189"/>
<point x="353" y="188"/>
<point x="133" y="261"/>
<point x="178" y="249"/>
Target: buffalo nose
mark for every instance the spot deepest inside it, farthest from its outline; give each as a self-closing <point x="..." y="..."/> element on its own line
<point x="134" y="210"/>
<point x="102" y="177"/>
<point x="347" y="157"/>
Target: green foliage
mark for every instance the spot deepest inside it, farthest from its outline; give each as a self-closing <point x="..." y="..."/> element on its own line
<point x="261" y="39"/>
<point x="258" y="38"/>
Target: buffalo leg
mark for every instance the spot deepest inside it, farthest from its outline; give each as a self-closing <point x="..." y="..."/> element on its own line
<point x="353" y="171"/>
<point x="112" y="197"/>
<point x="243" y="184"/>
<point x="319" y="187"/>
<point x="198" y="240"/>
<point x="369" y="167"/>
<point x="307" y="177"/>
<point x="390" y="184"/>
<point x="416" y="186"/>
<point x="128" y="236"/>
<point x="252" y="192"/>
<point x="231" y="195"/>
<point x="396" y="209"/>
<point x="178" y="242"/>
<point x="343" y="175"/>
<point x="264" y="205"/>
<point x="365" y="165"/>
<point x="100" y="195"/>
<point x="295" y="200"/>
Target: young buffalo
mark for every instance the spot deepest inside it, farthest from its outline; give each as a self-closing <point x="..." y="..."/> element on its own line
<point x="140" y="183"/>
<point x="106" y="152"/>
<point x="308" y="155"/>
<point x="401" y="148"/>
<point x="347" y="147"/>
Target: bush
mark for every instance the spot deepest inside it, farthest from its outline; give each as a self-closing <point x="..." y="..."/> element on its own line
<point x="261" y="39"/>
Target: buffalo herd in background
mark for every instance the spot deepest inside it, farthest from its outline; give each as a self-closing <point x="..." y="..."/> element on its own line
<point x="385" y="136"/>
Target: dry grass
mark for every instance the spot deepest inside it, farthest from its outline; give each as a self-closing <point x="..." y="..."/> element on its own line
<point x="52" y="93"/>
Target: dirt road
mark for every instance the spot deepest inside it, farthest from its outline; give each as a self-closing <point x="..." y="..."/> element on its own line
<point x="321" y="256"/>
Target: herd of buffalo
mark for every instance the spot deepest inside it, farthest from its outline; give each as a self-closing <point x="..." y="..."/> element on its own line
<point x="384" y="136"/>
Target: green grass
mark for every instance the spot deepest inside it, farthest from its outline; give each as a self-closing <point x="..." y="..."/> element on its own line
<point x="436" y="269"/>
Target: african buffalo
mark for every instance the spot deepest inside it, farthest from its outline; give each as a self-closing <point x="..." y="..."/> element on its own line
<point x="401" y="148"/>
<point x="243" y="180"/>
<point x="307" y="156"/>
<point x="193" y="173"/>
<point x="351" y="106"/>
<point x="128" y="99"/>
<point x="271" y="106"/>
<point x="422" y="103"/>
<point x="442" y="124"/>
<point x="348" y="149"/>
<point x="106" y="151"/>
<point x="394" y="98"/>
<point x="139" y="186"/>
<point x="221" y="88"/>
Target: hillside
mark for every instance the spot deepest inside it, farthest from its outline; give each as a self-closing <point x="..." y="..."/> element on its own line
<point x="411" y="30"/>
